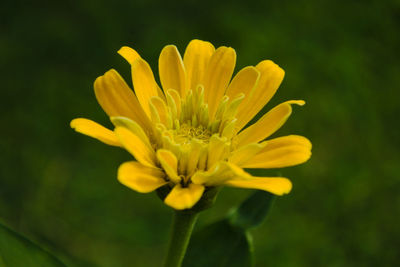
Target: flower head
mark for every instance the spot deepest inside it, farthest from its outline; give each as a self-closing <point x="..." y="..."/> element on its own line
<point x="190" y="135"/>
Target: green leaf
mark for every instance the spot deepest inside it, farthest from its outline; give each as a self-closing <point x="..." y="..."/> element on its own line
<point x="219" y="245"/>
<point x="253" y="210"/>
<point x="227" y="243"/>
<point x="16" y="250"/>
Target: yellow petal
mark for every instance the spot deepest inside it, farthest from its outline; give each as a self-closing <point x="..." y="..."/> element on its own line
<point x="129" y="54"/>
<point x="95" y="130"/>
<point x="267" y="124"/>
<point x="133" y="127"/>
<point x="169" y="163"/>
<point x="245" y="153"/>
<point x="282" y="152"/>
<point x="136" y="147"/>
<point x="269" y="81"/>
<point x="275" y="185"/>
<point x="117" y="99"/>
<point x="181" y="198"/>
<point x="221" y="109"/>
<point x="139" y="177"/>
<point x="221" y="172"/>
<point x="167" y="142"/>
<point x="232" y="108"/>
<point x="160" y="112"/>
<point x="144" y="84"/>
<point x="229" y="174"/>
<point x="217" y="150"/>
<point x="243" y="82"/>
<point x="172" y="71"/>
<point x="196" y="150"/>
<point x="174" y="103"/>
<point x="228" y="130"/>
<point x="196" y="58"/>
<point x="217" y="76"/>
<point x="288" y="140"/>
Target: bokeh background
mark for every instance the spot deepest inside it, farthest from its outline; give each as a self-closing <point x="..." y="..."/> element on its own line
<point x="59" y="188"/>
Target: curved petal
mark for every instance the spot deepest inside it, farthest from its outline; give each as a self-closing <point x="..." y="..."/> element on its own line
<point x="267" y="124"/>
<point x="117" y="99"/>
<point x="129" y="54"/>
<point x="232" y="108"/>
<point x="95" y="130"/>
<point x="144" y="83"/>
<point x="243" y="82"/>
<point x="196" y="58"/>
<point x="139" y="177"/>
<point x="160" y="112"/>
<point x="282" y="152"/>
<point x="219" y="174"/>
<point x="181" y="198"/>
<point x="172" y="71"/>
<point x="133" y="127"/>
<point x="232" y="175"/>
<point x="275" y="185"/>
<point x="288" y="140"/>
<point x="245" y="153"/>
<point x="218" y="149"/>
<point x="169" y="163"/>
<point x="217" y="76"/>
<point x="197" y="150"/>
<point x="270" y="79"/>
<point x="136" y="147"/>
<point x="174" y="102"/>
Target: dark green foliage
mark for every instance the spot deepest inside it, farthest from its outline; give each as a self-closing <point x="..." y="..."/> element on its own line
<point x="227" y="242"/>
<point x="219" y="245"/>
<point x="16" y="250"/>
<point x="252" y="212"/>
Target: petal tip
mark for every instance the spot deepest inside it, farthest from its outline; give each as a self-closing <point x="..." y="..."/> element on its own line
<point x="167" y="48"/>
<point x="128" y="53"/>
<point x="289" y="187"/>
<point x="184" y="198"/>
<point x="123" y="50"/>
<point x="296" y="102"/>
<point x="73" y="123"/>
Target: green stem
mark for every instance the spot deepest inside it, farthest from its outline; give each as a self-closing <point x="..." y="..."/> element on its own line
<point x="182" y="227"/>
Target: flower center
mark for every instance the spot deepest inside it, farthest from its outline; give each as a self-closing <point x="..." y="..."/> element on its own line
<point x="186" y="133"/>
<point x="197" y="138"/>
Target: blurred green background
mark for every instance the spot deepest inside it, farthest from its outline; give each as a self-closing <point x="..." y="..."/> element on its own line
<point x="59" y="188"/>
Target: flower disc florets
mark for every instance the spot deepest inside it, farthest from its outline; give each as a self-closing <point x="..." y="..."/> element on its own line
<point x="185" y="133"/>
<point x="184" y="127"/>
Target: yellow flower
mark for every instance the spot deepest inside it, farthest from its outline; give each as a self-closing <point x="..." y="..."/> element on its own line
<point x="190" y="134"/>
